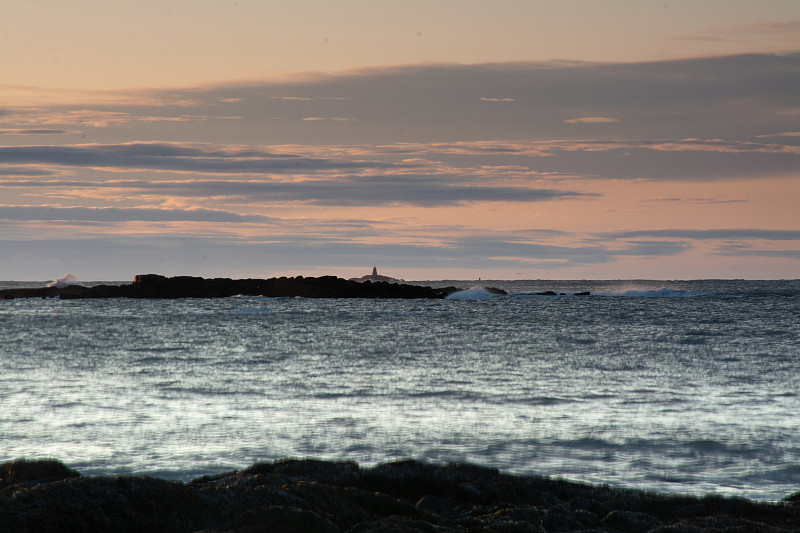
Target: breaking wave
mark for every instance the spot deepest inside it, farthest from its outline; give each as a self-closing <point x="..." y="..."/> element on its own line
<point x="64" y="281"/>
<point x="473" y="293"/>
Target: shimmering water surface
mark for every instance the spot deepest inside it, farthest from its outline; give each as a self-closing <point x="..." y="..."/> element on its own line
<point x="688" y="387"/>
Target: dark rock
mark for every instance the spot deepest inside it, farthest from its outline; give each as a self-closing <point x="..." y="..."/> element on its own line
<point x="21" y="470"/>
<point x="467" y="492"/>
<point x="676" y="528"/>
<point x="434" y="504"/>
<point x="558" y="518"/>
<point x="495" y="290"/>
<point x="157" y="286"/>
<point x="586" y="518"/>
<point x="281" y="520"/>
<point x="450" y="289"/>
<point x="148" y="279"/>
<point x="629" y="521"/>
<point x="309" y="495"/>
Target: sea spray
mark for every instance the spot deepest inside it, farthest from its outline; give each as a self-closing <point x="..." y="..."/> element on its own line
<point x="64" y="281"/>
<point x="473" y="293"/>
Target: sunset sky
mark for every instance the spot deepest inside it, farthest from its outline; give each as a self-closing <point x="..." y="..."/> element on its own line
<point x="501" y="139"/>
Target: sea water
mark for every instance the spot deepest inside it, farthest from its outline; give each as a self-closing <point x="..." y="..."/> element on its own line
<point x="678" y="387"/>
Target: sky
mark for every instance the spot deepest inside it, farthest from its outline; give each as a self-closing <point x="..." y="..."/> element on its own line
<point x="435" y="139"/>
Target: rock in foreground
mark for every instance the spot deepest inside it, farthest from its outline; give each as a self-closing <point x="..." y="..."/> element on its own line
<point x="317" y="496"/>
<point x="156" y="286"/>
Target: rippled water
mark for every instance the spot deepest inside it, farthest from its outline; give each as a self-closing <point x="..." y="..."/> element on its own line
<point x="677" y="387"/>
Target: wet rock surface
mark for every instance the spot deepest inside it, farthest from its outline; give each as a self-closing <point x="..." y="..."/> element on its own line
<point x="157" y="286"/>
<point x="404" y="496"/>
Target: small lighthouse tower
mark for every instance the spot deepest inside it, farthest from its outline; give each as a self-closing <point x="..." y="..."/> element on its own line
<point x="376" y="277"/>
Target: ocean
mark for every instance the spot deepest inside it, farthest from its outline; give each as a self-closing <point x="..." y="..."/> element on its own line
<point x="686" y="387"/>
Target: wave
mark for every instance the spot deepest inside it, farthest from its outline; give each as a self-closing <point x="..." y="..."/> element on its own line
<point x="655" y="293"/>
<point x="667" y="447"/>
<point x="252" y="311"/>
<point x="473" y="293"/>
<point x="541" y="294"/>
<point x="786" y="474"/>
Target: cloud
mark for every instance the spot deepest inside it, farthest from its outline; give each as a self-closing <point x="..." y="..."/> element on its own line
<point x="477" y="162"/>
<point x="506" y="248"/>
<point x="30" y="131"/>
<point x="734" y="242"/>
<point x="772" y="29"/>
<point x="679" y="200"/>
<point x="338" y="191"/>
<point x="123" y="257"/>
<point x="730" y="97"/>
<point x="426" y="136"/>
<point x="653" y="248"/>
<point x="307" y="98"/>
<point x="783" y="134"/>
<point x="658" y="159"/>
<point x="117" y="214"/>
<point x="520" y="252"/>
<point x="98" y="118"/>
<point x="499" y="246"/>
<point x="331" y="119"/>
<point x="176" y="157"/>
<point x="291" y="98"/>
<point x="552" y="147"/>
<point x="738" y="250"/>
<point x="703" y="234"/>
<point x="591" y="120"/>
<point x="23" y="171"/>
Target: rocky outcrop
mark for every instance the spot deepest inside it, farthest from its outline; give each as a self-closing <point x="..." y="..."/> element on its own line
<point x="156" y="286"/>
<point x="317" y="496"/>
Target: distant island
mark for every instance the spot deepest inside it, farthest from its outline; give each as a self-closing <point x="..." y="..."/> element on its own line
<point x="376" y="277"/>
<point x="157" y="286"/>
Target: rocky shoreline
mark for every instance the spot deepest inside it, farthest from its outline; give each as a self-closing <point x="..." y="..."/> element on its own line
<point x="157" y="286"/>
<point x="317" y="496"/>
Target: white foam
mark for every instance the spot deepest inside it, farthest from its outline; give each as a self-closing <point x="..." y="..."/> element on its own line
<point x="64" y="281"/>
<point x="473" y="293"/>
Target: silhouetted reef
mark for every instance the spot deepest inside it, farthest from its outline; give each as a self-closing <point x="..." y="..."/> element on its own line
<point x="157" y="286"/>
<point x="318" y="496"/>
